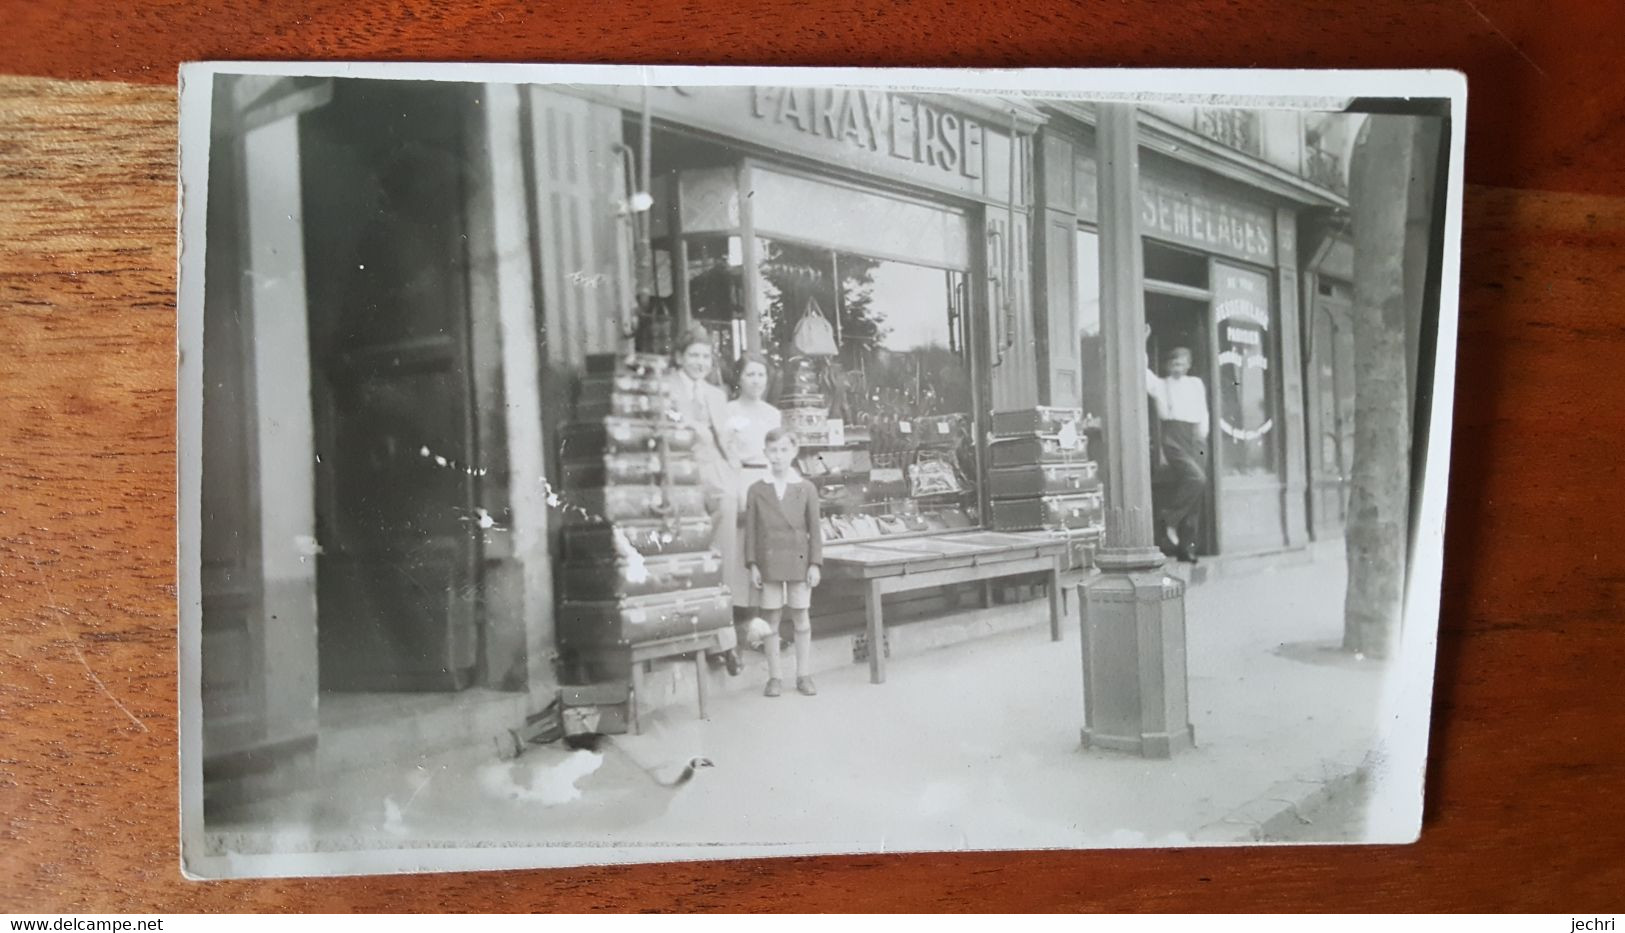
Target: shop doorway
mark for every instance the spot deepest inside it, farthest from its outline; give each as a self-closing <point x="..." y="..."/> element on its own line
<point x="398" y="568"/>
<point x="1179" y="321"/>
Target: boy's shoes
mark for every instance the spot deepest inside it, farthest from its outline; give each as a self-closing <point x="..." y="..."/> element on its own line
<point x="774" y="687"/>
<point x="730" y="660"/>
<point x="804" y="686"/>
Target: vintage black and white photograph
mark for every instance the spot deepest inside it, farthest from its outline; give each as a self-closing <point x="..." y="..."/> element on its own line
<point x="591" y="464"/>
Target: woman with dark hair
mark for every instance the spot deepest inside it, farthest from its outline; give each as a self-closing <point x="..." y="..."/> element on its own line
<point x="1179" y="492"/>
<point x="749" y="419"/>
<point x="703" y="405"/>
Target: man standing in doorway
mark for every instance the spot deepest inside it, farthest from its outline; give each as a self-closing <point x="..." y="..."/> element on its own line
<point x="1179" y="480"/>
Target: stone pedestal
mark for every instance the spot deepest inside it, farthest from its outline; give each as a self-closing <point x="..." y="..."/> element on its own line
<point x="1135" y="693"/>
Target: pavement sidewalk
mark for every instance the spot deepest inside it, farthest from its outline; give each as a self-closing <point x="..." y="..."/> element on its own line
<point x="971" y="746"/>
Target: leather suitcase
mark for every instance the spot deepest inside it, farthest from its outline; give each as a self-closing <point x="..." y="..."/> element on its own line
<point x="1038" y="448"/>
<point x="646" y="364"/>
<point x="1044" y="419"/>
<point x="633" y="621"/>
<point x="886" y="483"/>
<point x="633" y="503"/>
<point x="631" y="383"/>
<point x="624" y="435"/>
<point x="1043" y="479"/>
<point x="941" y="430"/>
<point x="598" y="399"/>
<point x="635" y="576"/>
<point x="1083" y="510"/>
<point x="606" y="541"/>
<point x="632" y="469"/>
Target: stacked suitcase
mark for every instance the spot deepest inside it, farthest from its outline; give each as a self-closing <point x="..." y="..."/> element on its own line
<point x="1041" y="478"/>
<point x="638" y="564"/>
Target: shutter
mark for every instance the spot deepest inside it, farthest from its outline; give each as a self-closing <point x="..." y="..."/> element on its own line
<point x="584" y="246"/>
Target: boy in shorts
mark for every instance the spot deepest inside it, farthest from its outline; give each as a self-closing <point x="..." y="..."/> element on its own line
<point x="783" y="549"/>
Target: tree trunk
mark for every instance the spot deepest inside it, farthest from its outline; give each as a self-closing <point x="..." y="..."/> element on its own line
<point x="1379" y="184"/>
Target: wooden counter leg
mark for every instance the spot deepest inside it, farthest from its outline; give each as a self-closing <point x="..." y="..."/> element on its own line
<point x="1055" y="601"/>
<point x="877" y="632"/>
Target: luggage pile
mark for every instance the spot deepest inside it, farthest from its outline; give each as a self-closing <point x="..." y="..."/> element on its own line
<point x="638" y="564"/>
<point x="1041" y="478"/>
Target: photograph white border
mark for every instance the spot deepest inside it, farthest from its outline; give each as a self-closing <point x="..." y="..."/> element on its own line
<point x="1395" y="811"/>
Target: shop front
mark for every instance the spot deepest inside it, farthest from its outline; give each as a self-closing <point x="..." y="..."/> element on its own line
<point x="873" y="249"/>
<point x="1220" y="281"/>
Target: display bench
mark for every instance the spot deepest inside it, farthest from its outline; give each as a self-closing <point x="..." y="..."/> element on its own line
<point x="902" y="564"/>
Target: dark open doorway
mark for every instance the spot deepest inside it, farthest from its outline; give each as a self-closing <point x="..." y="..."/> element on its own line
<point x="1177" y="321"/>
<point x="398" y="576"/>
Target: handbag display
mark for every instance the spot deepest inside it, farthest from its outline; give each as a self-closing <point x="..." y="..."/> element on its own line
<point x="933" y="477"/>
<point x="813" y="335"/>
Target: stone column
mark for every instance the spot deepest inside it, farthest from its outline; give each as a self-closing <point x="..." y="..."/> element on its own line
<point x="1134" y="679"/>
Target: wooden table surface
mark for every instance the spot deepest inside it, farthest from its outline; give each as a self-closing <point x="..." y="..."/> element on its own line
<point x="1526" y="785"/>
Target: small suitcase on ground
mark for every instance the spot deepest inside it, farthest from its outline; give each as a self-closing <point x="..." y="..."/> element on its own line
<point x="605" y="541"/>
<point x="1083" y="510"/>
<point x="632" y="469"/>
<point x="1038" y="448"/>
<point x="596" y="709"/>
<point x="633" y="503"/>
<point x="1043" y="479"/>
<point x="624" y="435"/>
<point x="633" y="621"/>
<point x="634" y="576"/>
<point x="1044" y="419"/>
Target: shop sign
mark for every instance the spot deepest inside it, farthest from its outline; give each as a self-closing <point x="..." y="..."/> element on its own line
<point x="1209" y="224"/>
<point x="1182" y="210"/>
<point x="1241" y="313"/>
<point x="915" y="138"/>
<point x="902" y="128"/>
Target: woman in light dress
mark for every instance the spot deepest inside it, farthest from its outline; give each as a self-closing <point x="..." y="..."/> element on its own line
<point x="746" y="421"/>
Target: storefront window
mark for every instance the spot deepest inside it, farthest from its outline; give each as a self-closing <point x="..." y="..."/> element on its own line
<point x="1246" y="380"/>
<point x="715" y="280"/>
<point x="861" y="304"/>
<point x="875" y="377"/>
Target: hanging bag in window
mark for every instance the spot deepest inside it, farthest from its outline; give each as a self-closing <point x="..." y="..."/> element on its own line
<point x="814" y="336"/>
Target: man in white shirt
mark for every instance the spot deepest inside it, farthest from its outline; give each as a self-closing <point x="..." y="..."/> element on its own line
<point x="1179" y="488"/>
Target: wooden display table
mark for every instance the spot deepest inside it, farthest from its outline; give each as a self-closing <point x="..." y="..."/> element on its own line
<point x="901" y="564"/>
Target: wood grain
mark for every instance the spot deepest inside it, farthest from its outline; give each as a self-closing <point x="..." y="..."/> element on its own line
<point x="1525" y="809"/>
<point x="1546" y="95"/>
